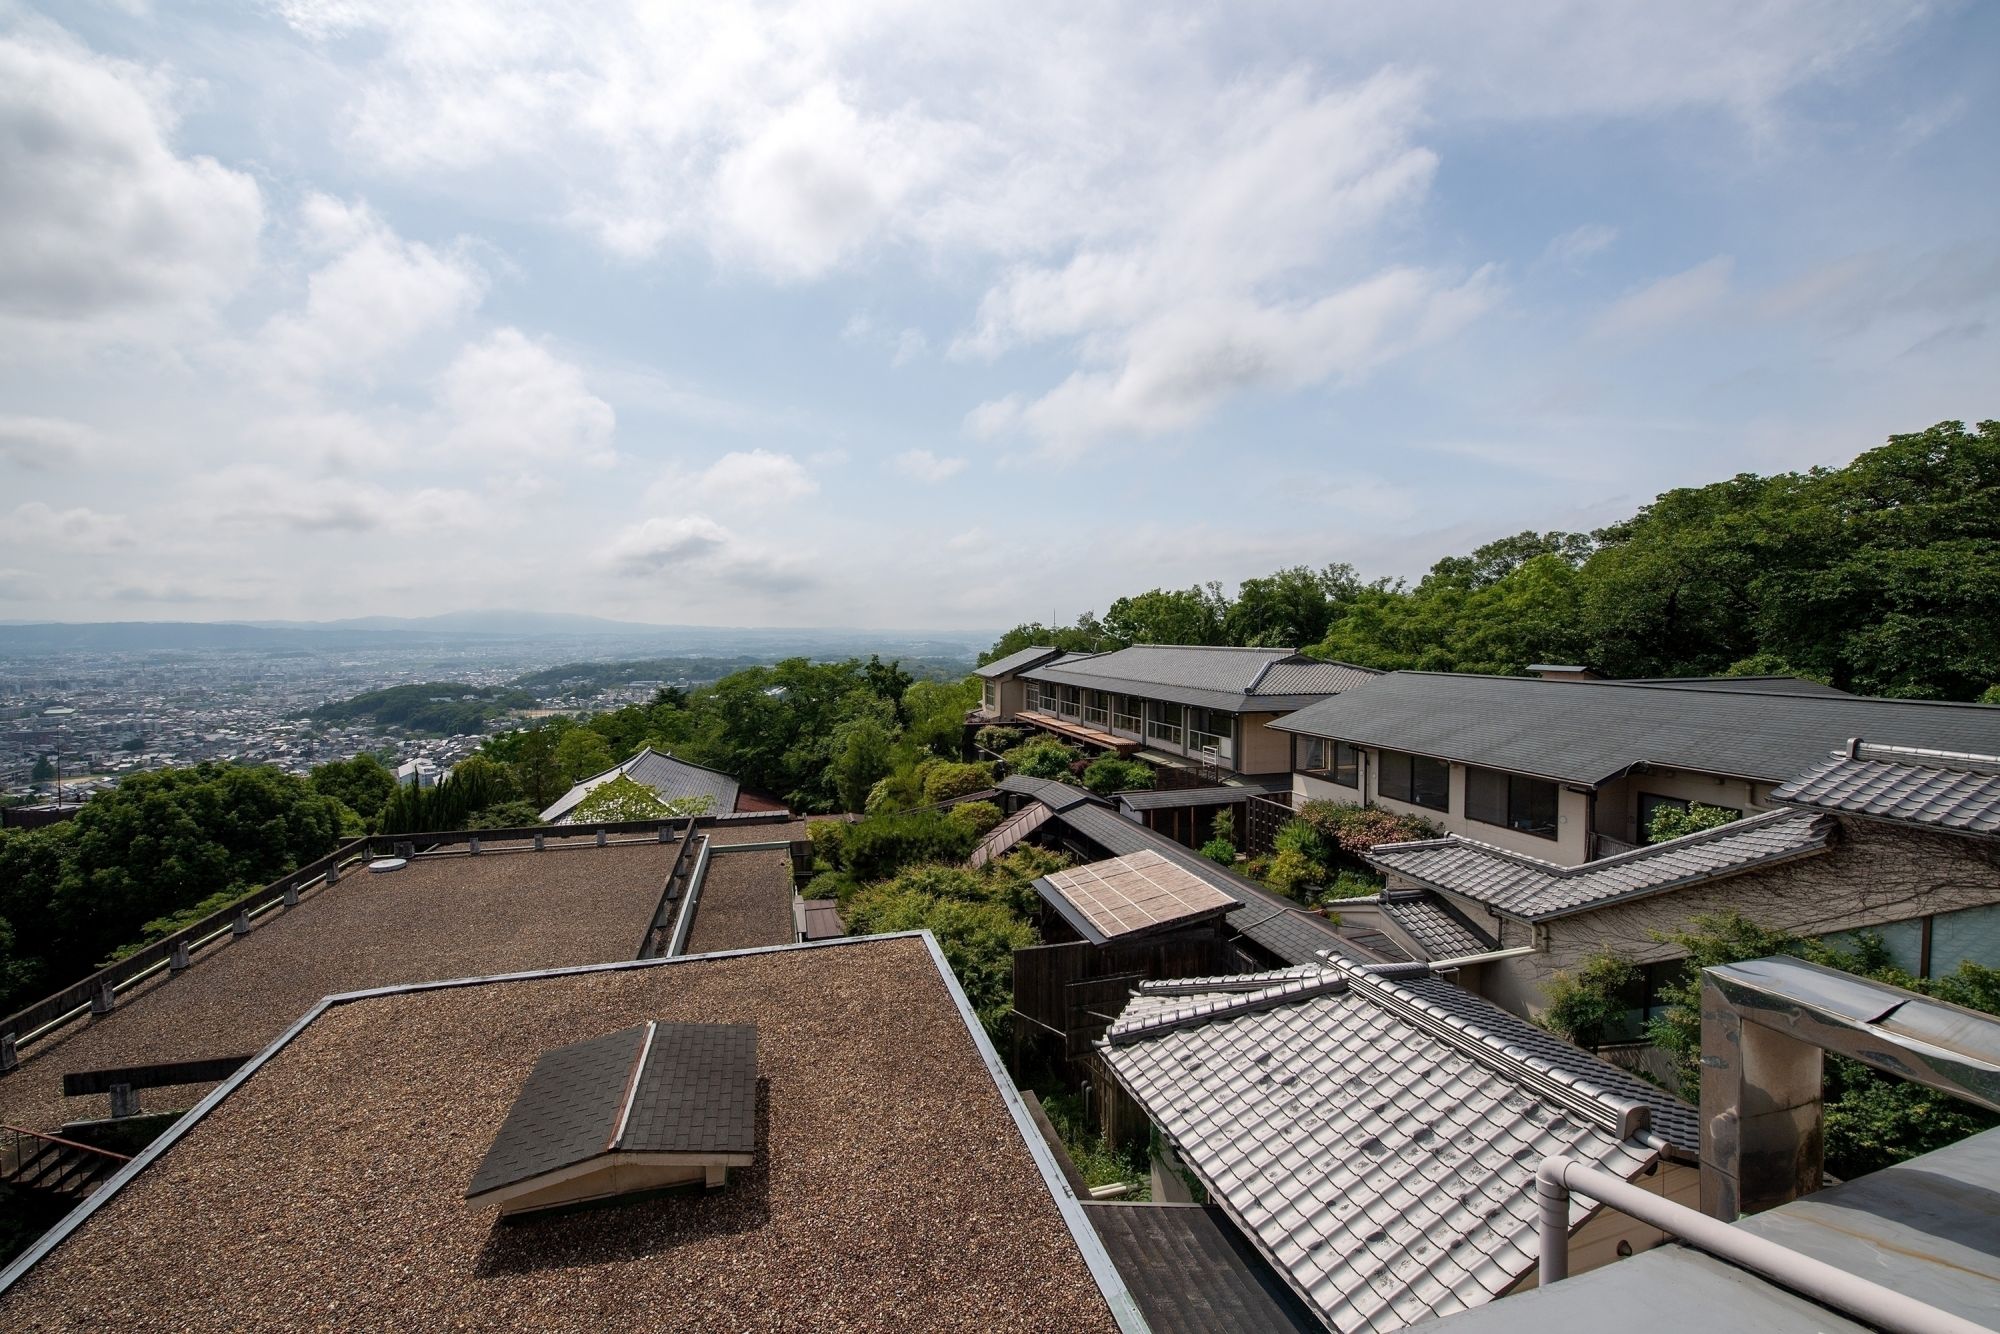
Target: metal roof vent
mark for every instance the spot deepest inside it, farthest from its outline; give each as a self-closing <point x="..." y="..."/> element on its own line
<point x="384" y="865"/>
<point x="642" y="1109"/>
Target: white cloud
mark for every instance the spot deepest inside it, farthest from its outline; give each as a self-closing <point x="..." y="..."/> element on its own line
<point x="753" y="478"/>
<point x="260" y="498"/>
<point x="693" y="548"/>
<point x="45" y="444"/>
<point x="36" y="524"/>
<point x="1672" y="300"/>
<point x="511" y="400"/>
<point x="375" y="296"/>
<point x="102" y="224"/>
<point x="925" y="466"/>
<point x="1580" y="243"/>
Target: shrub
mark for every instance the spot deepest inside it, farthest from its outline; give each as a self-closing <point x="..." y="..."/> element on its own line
<point x="1044" y="757"/>
<point x="1678" y="822"/>
<point x="996" y="740"/>
<point x="1291" y="872"/>
<point x="882" y="845"/>
<point x="978" y="936"/>
<point x="1585" y="1003"/>
<point x="1224" y="825"/>
<point x="978" y="816"/>
<point x="942" y="782"/>
<point x="515" y="814"/>
<point x="836" y="885"/>
<point x="1107" y="774"/>
<point x="828" y="838"/>
<point x="1352" y="885"/>
<point x="1355" y="830"/>
<point x="1220" y="850"/>
<point x="1300" y="837"/>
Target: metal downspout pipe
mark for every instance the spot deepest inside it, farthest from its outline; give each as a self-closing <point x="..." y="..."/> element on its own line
<point x="1871" y="1303"/>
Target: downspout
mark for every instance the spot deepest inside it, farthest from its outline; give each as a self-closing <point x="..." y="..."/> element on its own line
<point x="1847" y="1293"/>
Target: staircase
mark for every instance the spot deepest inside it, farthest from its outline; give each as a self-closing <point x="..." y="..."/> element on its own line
<point x="55" y="1166"/>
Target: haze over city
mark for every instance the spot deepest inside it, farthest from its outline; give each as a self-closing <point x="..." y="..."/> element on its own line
<point x="944" y="316"/>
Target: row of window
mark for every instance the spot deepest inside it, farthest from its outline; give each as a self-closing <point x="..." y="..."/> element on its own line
<point x="1173" y="724"/>
<point x="1511" y="801"/>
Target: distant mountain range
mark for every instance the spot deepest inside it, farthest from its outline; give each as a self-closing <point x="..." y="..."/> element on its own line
<point x="488" y="627"/>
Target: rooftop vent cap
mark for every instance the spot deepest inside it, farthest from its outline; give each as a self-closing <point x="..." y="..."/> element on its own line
<point x="640" y="1110"/>
<point x="383" y="865"/>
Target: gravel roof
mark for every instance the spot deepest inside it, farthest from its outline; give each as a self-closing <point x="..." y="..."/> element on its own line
<point x="892" y="1182"/>
<point x="1380" y="1155"/>
<point x="1932" y="789"/>
<point x="1240" y="680"/>
<point x="746" y="901"/>
<point x="1533" y="890"/>
<point x="449" y="915"/>
<point x="1590" y="732"/>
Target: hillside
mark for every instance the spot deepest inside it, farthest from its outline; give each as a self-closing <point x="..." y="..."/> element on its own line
<point x="443" y="708"/>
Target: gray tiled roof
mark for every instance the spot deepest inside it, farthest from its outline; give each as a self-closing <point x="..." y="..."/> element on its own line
<point x="1933" y="789"/>
<point x="1015" y="661"/>
<point x="1378" y="1155"/>
<point x="1435" y="925"/>
<point x="1533" y="890"/>
<point x="1239" y="680"/>
<point x="1279" y="926"/>
<point x="1768" y="685"/>
<point x="696" y="1093"/>
<point x="1056" y="796"/>
<point x="1589" y="732"/>
<point x="1003" y="837"/>
<point x="1166" y="798"/>
<point x="667" y="776"/>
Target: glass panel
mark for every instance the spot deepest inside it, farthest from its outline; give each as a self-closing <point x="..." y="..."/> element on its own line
<point x="1904" y="940"/>
<point x="1095" y="707"/>
<point x="1128" y="713"/>
<point x="1163" y="723"/>
<point x="1395" y="779"/>
<point x="1531" y="806"/>
<point x="1312" y="754"/>
<point x="1346" y="765"/>
<point x="1430" y="783"/>
<point x="1971" y="934"/>
<point x="1486" y="796"/>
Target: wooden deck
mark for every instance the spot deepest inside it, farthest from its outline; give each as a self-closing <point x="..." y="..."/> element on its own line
<point x="1122" y="746"/>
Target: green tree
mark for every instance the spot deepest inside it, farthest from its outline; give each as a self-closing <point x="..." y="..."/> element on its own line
<point x="43" y="772"/>
<point x="1108" y="774"/>
<point x="1181" y="616"/>
<point x="621" y="798"/>
<point x="581" y="753"/>
<point x="862" y="750"/>
<point x="362" y="784"/>
<point x="1292" y="608"/>
<point x="1587" y="1004"/>
<point x="1678" y="822"/>
<point x="1042" y="757"/>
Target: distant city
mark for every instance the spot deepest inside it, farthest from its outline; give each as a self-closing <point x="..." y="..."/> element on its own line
<point x="83" y="706"/>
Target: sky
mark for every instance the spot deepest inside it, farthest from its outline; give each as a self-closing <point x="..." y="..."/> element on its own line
<point x="945" y="315"/>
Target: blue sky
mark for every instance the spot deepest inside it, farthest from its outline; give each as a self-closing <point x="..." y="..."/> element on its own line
<point x="914" y="315"/>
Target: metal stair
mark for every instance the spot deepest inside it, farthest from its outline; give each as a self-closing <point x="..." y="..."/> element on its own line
<point x="31" y="1160"/>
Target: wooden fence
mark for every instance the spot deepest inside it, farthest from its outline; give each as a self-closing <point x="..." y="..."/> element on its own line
<point x="1076" y="989"/>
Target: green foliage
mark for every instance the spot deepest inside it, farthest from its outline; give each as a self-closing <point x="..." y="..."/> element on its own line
<point x="1220" y="850"/>
<point x="1291" y="872"/>
<point x="994" y="739"/>
<point x="882" y="845"/>
<point x="1881" y="577"/>
<point x="980" y="817"/>
<point x="1223" y="825"/>
<point x="361" y="784"/>
<point x="972" y="917"/>
<point x="934" y="712"/>
<point x="582" y="753"/>
<point x="942" y="782"/>
<point x="1302" y="838"/>
<point x="1586" y="1003"/>
<point x="622" y="798"/>
<point x="1677" y="822"/>
<point x="512" y="814"/>
<point x="1042" y="757"/>
<point x="154" y="846"/>
<point x="1353" y="830"/>
<point x="861" y="758"/>
<point x="1352" y="885"/>
<point x="1099" y="1163"/>
<point x="451" y="805"/>
<point x="1107" y="774"/>
<point x="43" y="772"/>
<point x="828" y="838"/>
<point x="442" y="708"/>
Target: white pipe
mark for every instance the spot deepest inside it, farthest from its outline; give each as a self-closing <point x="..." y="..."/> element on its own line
<point x="1836" y="1288"/>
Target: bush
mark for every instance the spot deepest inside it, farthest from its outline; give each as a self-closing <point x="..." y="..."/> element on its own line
<point x="978" y="935"/>
<point x="828" y="837"/>
<point x="882" y="845"/>
<point x="996" y="740"/>
<point x="1353" y="885"/>
<point x="1044" y="757"/>
<point x="1107" y="774"/>
<point x="1220" y="850"/>
<point x="1223" y="825"/>
<point x="1300" y="837"/>
<point x="1678" y="822"/>
<point x="836" y="885"/>
<point x="1355" y="830"/>
<point x="942" y="782"/>
<point x="515" y="814"/>
<point x="1291" y="872"/>
<point x="1586" y="1004"/>
<point x="978" y="816"/>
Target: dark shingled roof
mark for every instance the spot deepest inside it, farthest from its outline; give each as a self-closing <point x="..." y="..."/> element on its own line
<point x="1533" y="890"/>
<point x="1765" y="685"/>
<point x="1168" y="798"/>
<point x="1931" y="789"/>
<point x="1192" y="1272"/>
<point x="696" y="1093"/>
<point x="1590" y="732"/>
<point x="1015" y="661"/>
<point x="1238" y="680"/>
<point x="1056" y="796"/>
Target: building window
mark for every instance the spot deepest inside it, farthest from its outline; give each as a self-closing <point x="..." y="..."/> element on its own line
<point x="1650" y="802"/>
<point x="1417" y="779"/>
<point x="1096" y="707"/>
<point x="1210" y="727"/>
<point x="992" y="695"/>
<point x="1163" y="723"/>
<point x="1330" y="761"/>
<point x="1067" y="696"/>
<point x="1527" y="805"/>
<point x="1128" y="713"/>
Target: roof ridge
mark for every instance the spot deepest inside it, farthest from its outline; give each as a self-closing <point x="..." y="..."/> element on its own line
<point x="1279" y="992"/>
<point x="1646" y="851"/>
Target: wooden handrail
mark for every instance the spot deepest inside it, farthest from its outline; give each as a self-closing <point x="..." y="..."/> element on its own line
<point x="66" y="1143"/>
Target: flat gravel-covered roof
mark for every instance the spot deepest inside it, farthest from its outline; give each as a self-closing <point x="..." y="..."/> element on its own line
<point x="892" y="1188"/>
